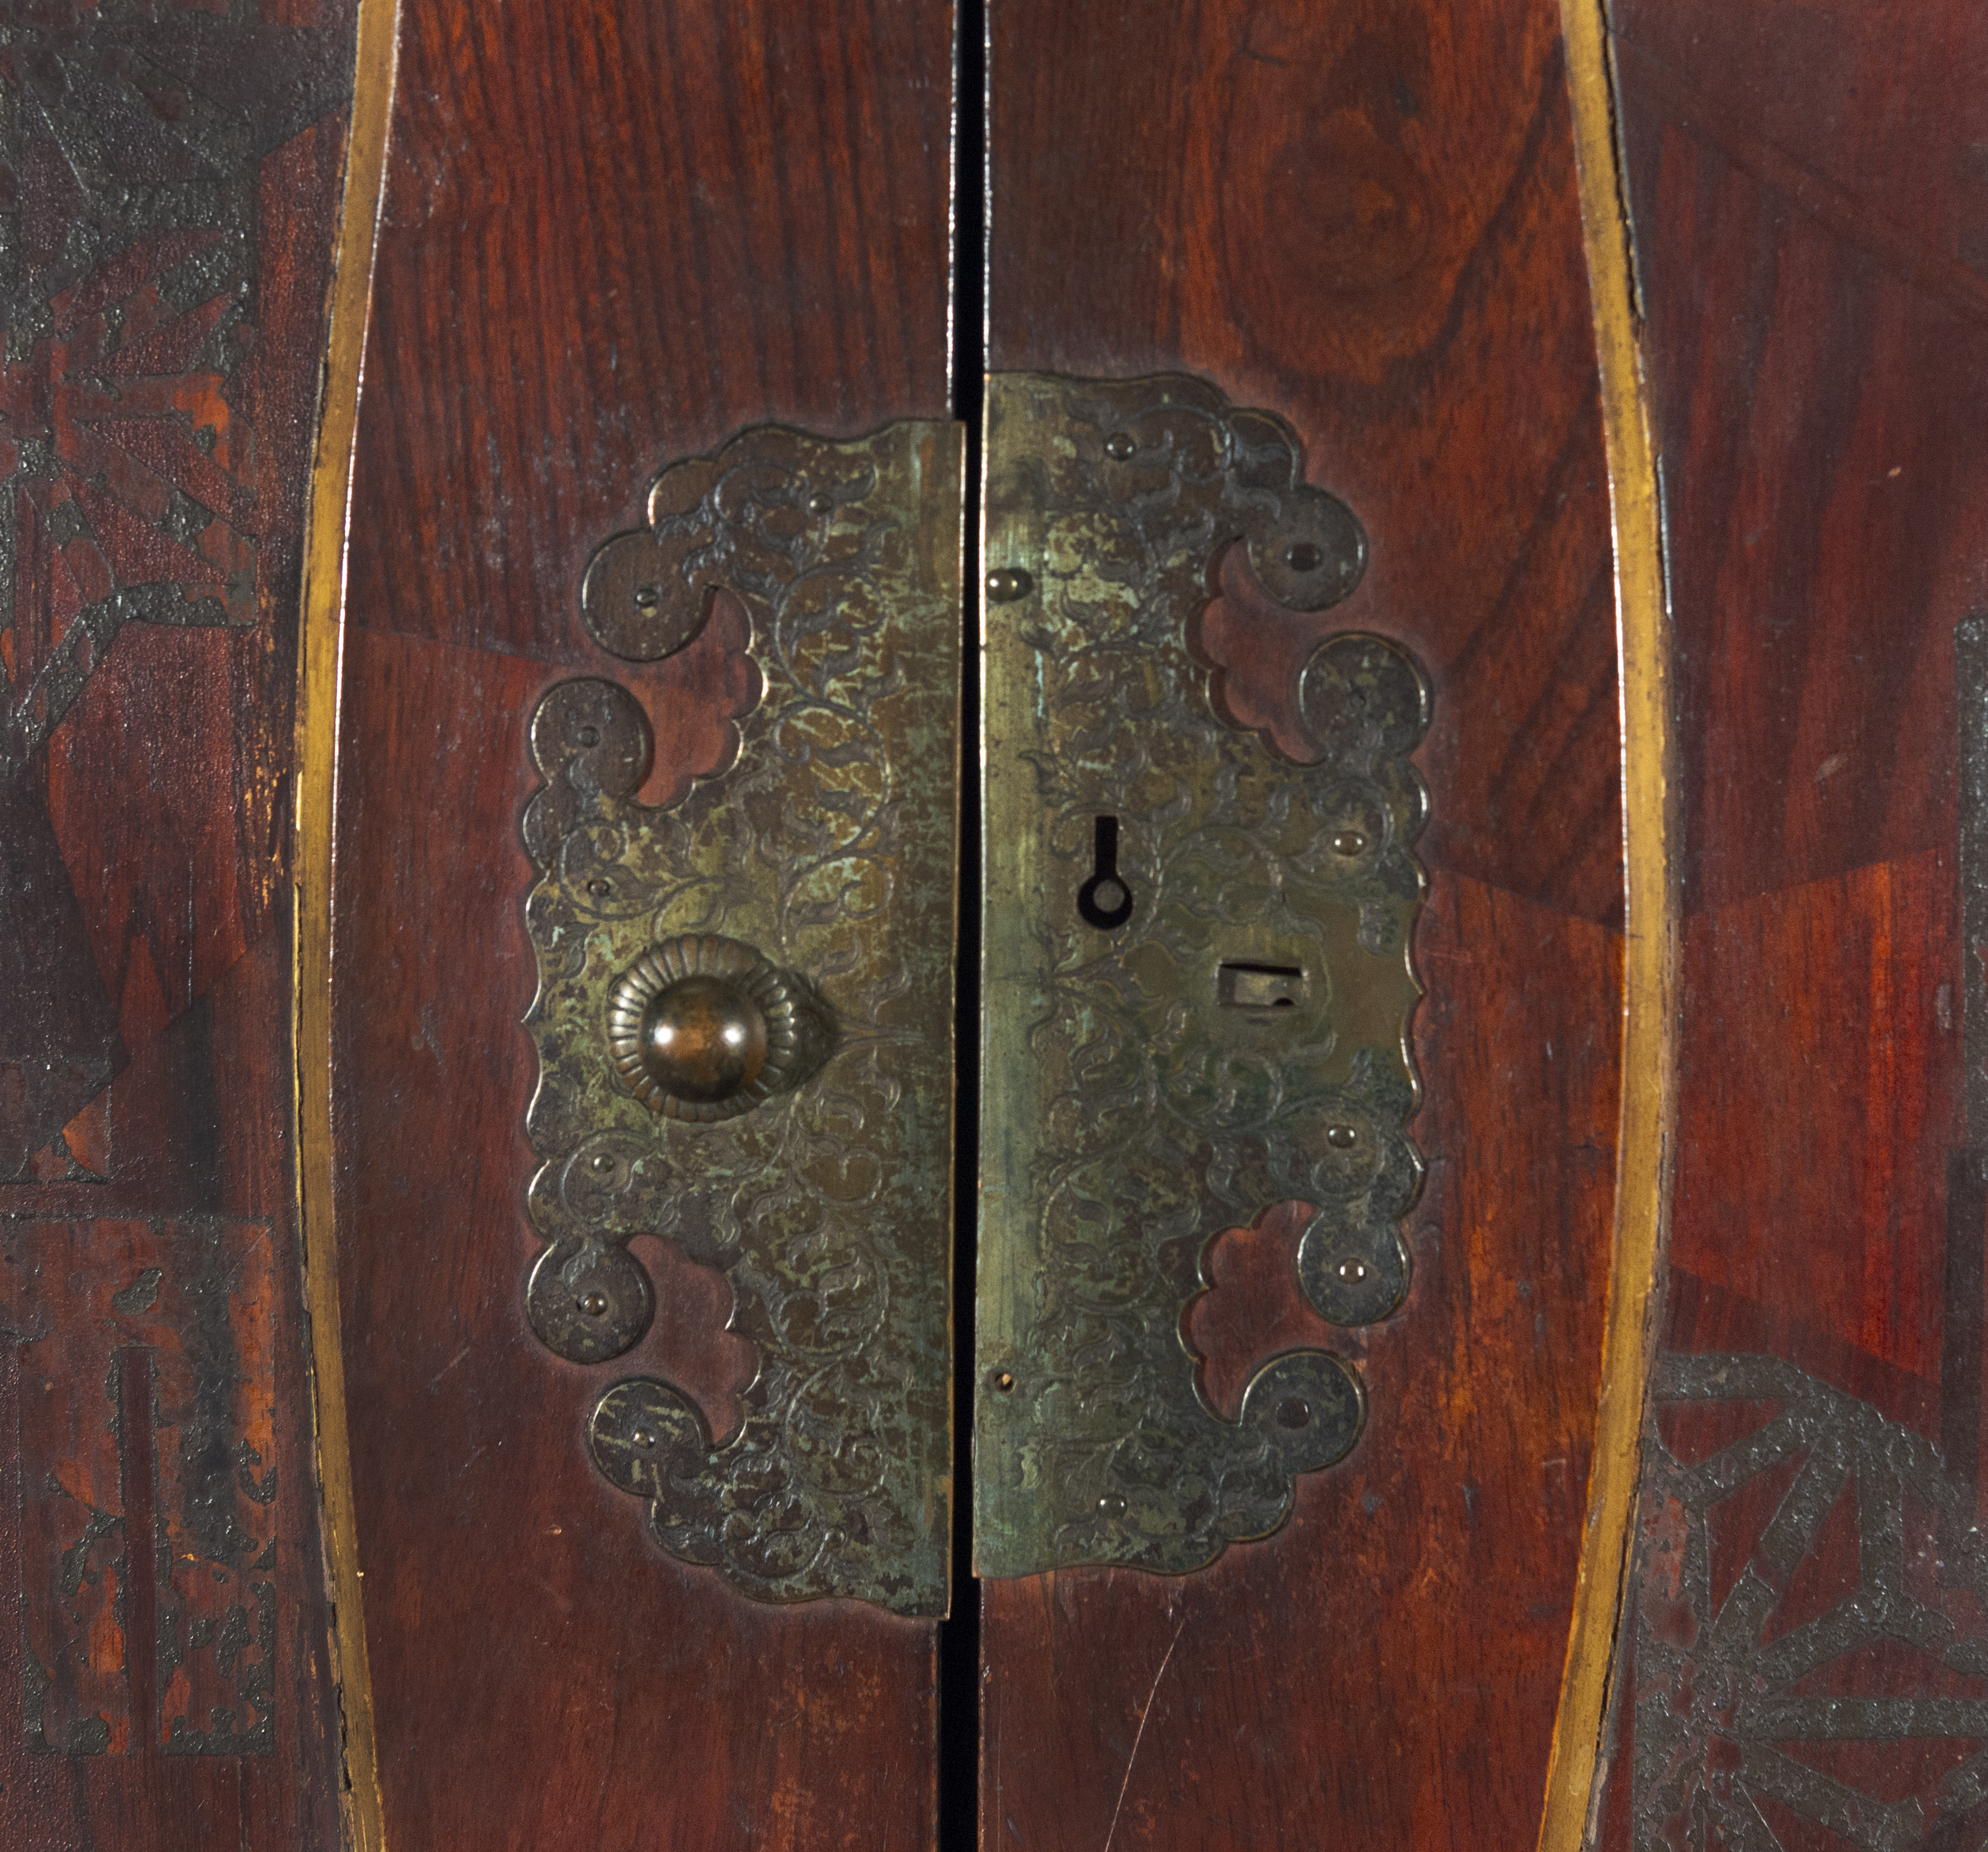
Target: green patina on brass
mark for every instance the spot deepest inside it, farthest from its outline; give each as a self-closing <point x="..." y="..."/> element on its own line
<point x="801" y="900"/>
<point x="1197" y="974"/>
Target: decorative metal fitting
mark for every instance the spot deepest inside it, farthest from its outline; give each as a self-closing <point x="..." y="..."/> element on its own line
<point x="788" y="1131"/>
<point x="702" y="1028"/>
<point x="1198" y="980"/>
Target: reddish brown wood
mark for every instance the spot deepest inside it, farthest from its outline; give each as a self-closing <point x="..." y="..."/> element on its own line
<point x="1817" y="1010"/>
<point x="1363" y="218"/>
<point x="612" y="237"/>
<point x="1810" y="212"/>
<point x="1371" y="1623"/>
<point x="167" y="1682"/>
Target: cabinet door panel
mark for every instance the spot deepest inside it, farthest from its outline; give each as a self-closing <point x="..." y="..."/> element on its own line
<point x="611" y="238"/>
<point x="1364" y="221"/>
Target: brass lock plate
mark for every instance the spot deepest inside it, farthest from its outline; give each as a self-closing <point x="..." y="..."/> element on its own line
<point x="1197" y="979"/>
<point x="744" y="1012"/>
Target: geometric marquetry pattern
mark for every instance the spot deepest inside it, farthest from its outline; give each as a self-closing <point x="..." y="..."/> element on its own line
<point x="1838" y="1680"/>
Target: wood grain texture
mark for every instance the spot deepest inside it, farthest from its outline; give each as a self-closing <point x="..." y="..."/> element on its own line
<point x="171" y="181"/>
<point x="611" y="239"/>
<point x="1810" y="213"/>
<point x="1816" y="406"/>
<point x="1366" y="222"/>
<point x="1413" y="1614"/>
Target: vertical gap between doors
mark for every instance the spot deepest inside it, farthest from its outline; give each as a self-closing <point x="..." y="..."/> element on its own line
<point x="959" y="1635"/>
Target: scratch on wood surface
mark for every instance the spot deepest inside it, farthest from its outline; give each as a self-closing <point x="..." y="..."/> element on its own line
<point x="450" y="1365"/>
<point x="1145" y="1711"/>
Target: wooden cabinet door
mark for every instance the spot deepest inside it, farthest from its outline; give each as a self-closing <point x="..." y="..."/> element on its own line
<point x="610" y="241"/>
<point x="1365" y="221"/>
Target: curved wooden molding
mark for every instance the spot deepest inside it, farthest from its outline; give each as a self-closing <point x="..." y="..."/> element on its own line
<point x="1648" y="1109"/>
<point x="319" y="657"/>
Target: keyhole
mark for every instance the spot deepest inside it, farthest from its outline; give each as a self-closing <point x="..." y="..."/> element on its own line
<point x="1104" y="900"/>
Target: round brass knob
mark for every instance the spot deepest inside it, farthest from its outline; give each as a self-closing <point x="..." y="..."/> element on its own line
<point x="704" y="1038"/>
<point x="702" y="1028"/>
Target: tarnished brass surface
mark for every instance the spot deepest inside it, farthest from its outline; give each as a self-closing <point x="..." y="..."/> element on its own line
<point x="1197" y="978"/>
<point x="702" y="1027"/>
<point x="744" y="1015"/>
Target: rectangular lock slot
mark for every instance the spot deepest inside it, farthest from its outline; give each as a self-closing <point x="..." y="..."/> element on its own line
<point x="1244" y="986"/>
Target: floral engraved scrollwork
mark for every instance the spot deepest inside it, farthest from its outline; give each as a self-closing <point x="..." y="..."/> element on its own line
<point x="814" y="873"/>
<point x="1230" y="1030"/>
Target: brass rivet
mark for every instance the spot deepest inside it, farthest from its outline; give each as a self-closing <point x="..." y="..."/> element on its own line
<point x="1304" y="557"/>
<point x="1111" y="1505"/>
<point x="602" y="1163"/>
<point x="1293" y="1411"/>
<point x="820" y="502"/>
<point x="595" y="1305"/>
<point x="1004" y="1383"/>
<point x="600" y="889"/>
<point x="1006" y="584"/>
<point x="643" y="1438"/>
<point x="1120" y="445"/>
<point x="1342" y="1138"/>
<point x="1349" y="842"/>
<point x="1353" y="1271"/>
<point x="648" y="596"/>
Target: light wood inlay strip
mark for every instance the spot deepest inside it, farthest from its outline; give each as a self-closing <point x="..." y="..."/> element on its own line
<point x="1643" y="1152"/>
<point x="320" y="659"/>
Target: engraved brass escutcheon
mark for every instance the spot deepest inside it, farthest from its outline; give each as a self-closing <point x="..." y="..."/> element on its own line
<point x="744" y="1015"/>
<point x="1197" y="974"/>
